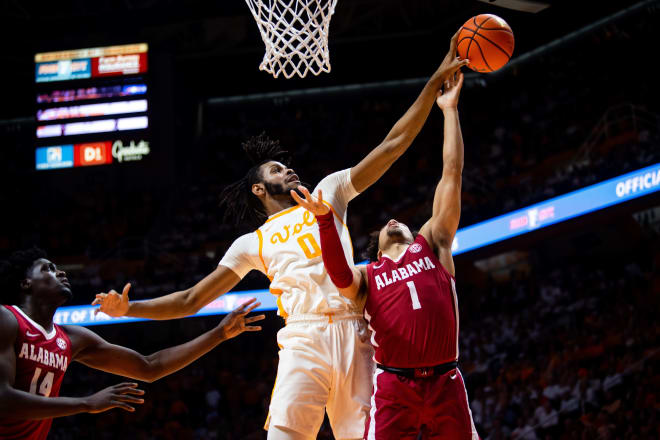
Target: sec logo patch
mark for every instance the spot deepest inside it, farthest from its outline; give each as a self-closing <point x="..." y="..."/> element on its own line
<point x="61" y="343"/>
<point x="415" y="247"/>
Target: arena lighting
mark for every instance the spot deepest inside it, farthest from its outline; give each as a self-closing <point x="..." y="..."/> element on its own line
<point x="611" y="192"/>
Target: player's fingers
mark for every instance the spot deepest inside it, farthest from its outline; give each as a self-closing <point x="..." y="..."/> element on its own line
<point x="297" y="198"/>
<point x="459" y="79"/>
<point x="252" y="328"/>
<point x="320" y="196"/>
<point x="133" y="391"/>
<point x="124" y="406"/>
<point x="454" y="42"/>
<point x="305" y="191"/>
<point x="127" y="398"/>
<point x="252" y="307"/>
<point x="254" y="318"/>
<point x="245" y="304"/>
<point x="124" y="293"/>
<point x="126" y="385"/>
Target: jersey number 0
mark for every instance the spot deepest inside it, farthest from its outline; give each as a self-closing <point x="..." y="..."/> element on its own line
<point x="315" y="250"/>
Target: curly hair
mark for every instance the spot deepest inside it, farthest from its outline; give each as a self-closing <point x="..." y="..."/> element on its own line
<point x="14" y="270"/>
<point x="371" y="253"/>
<point x="241" y="205"/>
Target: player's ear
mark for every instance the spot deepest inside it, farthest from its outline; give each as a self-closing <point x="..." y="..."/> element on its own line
<point x="26" y="284"/>
<point x="258" y="189"/>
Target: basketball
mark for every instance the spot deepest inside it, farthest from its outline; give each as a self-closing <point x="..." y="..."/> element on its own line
<point x="487" y="41"/>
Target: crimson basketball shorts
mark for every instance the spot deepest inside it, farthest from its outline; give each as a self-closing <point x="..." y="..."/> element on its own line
<point x="403" y="407"/>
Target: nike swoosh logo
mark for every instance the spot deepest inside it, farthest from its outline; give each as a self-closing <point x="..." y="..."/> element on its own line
<point x="452" y="377"/>
<point x="32" y="335"/>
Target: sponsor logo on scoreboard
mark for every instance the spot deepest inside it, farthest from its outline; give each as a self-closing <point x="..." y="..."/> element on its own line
<point x="131" y="152"/>
<point x="119" y="65"/>
<point x="63" y="70"/>
<point x="60" y="156"/>
<point x="94" y="153"/>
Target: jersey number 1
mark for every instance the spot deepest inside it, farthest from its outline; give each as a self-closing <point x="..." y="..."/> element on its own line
<point x="413" y="295"/>
<point x="46" y="384"/>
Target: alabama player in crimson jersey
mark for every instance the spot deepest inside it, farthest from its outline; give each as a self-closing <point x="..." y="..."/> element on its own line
<point x="411" y="305"/>
<point x="35" y="352"/>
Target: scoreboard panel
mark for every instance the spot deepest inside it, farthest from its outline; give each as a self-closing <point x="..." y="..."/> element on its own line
<point x="92" y="107"/>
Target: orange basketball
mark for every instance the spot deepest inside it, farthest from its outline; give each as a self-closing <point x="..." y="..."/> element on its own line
<point x="487" y="41"/>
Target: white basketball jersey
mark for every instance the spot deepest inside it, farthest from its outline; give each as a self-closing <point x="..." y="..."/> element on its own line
<point x="287" y="249"/>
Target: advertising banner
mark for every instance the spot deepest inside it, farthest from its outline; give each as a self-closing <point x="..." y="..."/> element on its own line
<point x="63" y="70"/>
<point x="93" y="153"/>
<point x="60" y="156"/>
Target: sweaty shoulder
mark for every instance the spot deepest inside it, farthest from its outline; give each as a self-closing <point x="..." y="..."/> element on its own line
<point x="243" y="254"/>
<point x="338" y="190"/>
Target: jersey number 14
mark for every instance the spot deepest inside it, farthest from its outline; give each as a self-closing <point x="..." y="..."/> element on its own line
<point x="46" y="384"/>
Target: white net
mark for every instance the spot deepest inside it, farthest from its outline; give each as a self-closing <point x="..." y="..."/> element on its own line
<point x="295" y="33"/>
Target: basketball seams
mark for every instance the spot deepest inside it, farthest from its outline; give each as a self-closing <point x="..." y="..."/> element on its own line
<point x="488" y="39"/>
<point x="482" y="55"/>
<point x="474" y="20"/>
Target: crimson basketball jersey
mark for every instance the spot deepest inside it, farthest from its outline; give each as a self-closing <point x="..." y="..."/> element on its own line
<point x="41" y="360"/>
<point x="412" y="309"/>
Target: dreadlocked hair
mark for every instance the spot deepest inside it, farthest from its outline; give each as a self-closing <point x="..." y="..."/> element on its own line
<point x="13" y="271"/>
<point x="241" y="205"/>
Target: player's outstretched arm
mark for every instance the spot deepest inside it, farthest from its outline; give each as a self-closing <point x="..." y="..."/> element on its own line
<point x="175" y="305"/>
<point x="95" y="352"/>
<point x="348" y="280"/>
<point x="441" y="228"/>
<point x="20" y="405"/>
<point x="402" y="134"/>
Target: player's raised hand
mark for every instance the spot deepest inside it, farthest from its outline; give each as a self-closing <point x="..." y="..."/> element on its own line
<point x="236" y="323"/>
<point x="451" y="63"/>
<point x="116" y="396"/>
<point x="447" y="97"/>
<point x="313" y="204"/>
<point x="112" y="303"/>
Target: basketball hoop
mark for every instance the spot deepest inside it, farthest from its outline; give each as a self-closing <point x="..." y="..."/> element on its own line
<point x="295" y="33"/>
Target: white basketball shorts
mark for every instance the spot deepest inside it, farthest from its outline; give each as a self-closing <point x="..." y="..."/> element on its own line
<point x="325" y="365"/>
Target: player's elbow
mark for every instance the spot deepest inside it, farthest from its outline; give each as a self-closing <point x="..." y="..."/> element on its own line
<point x="192" y="303"/>
<point x="150" y="370"/>
<point x="398" y="144"/>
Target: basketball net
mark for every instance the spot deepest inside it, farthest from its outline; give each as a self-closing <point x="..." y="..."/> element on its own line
<point x="295" y="33"/>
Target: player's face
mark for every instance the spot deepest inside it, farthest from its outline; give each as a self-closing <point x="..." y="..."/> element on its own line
<point x="394" y="232"/>
<point x="47" y="282"/>
<point x="278" y="179"/>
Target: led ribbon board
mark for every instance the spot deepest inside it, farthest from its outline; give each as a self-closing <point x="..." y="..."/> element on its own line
<point x="558" y="209"/>
<point x="583" y="201"/>
<point x="84" y="315"/>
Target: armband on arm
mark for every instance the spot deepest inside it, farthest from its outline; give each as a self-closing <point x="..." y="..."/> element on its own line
<point x="333" y="253"/>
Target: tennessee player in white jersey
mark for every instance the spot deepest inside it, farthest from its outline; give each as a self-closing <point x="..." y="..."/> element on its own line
<point x="325" y="357"/>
